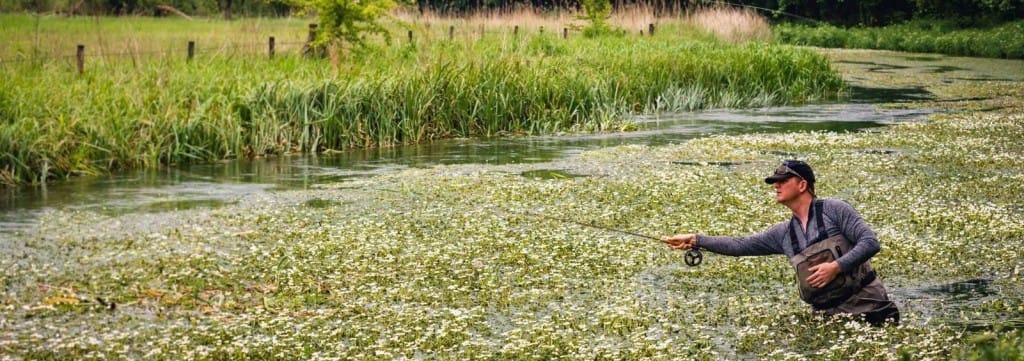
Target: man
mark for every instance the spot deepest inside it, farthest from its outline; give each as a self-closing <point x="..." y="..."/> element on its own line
<point x="826" y="241"/>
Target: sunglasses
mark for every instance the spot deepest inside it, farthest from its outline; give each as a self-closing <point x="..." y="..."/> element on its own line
<point x="784" y="170"/>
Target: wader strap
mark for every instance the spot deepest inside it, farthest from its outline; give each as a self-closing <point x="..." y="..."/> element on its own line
<point x="819" y="218"/>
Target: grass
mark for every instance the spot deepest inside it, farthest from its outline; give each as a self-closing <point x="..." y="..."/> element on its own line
<point x="42" y="38"/>
<point x="145" y="110"/>
<point x="424" y="263"/>
<point x="734" y="25"/>
<point x="1003" y="41"/>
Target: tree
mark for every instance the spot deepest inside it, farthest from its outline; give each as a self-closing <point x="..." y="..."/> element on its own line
<point x="597" y="13"/>
<point x="345" y="22"/>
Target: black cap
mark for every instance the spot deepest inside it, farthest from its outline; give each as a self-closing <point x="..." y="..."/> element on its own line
<point x="790" y="168"/>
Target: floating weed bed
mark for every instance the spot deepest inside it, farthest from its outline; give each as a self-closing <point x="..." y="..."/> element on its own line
<point x="447" y="263"/>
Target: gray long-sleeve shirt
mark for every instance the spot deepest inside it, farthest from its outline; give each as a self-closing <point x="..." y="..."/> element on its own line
<point x="839" y="217"/>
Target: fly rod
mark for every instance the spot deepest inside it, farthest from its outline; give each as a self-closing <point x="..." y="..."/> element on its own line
<point x="693" y="256"/>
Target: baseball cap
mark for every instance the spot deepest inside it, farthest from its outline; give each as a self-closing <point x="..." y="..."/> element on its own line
<point x="791" y="168"/>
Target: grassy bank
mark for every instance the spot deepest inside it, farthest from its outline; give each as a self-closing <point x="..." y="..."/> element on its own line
<point x="146" y="110"/>
<point x="443" y="263"/>
<point x="1003" y="41"/>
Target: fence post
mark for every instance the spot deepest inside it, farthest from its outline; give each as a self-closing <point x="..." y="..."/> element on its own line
<point x="308" y="49"/>
<point x="80" y="55"/>
<point x="650" y="29"/>
<point x="410" y="37"/>
<point x="270" y="50"/>
<point x="191" y="50"/>
<point x="451" y="32"/>
<point x="515" y="30"/>
<point x="565" y="33"/>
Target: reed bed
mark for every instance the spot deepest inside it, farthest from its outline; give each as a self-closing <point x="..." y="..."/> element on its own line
<point x="731" y="24"/>
<point x="150" y="111"/>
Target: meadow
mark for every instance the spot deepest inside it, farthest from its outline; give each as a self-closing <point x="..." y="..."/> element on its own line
<point x="140" y="103"/>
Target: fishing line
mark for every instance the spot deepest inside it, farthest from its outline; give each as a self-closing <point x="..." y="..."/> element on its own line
<point x="693" y="256"/>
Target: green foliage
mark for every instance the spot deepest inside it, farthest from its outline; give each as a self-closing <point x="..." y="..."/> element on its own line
<point x="347" y="22"/>
<point x="997" y="346"/>
<point x="597" y="13"/>
<point x="1004" y="41"/>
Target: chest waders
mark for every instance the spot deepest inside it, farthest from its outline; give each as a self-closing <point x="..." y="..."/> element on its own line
<point x="826" y="249"/>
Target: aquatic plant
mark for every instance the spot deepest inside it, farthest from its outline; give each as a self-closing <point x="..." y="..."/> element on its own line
<point x="446" y="262"/>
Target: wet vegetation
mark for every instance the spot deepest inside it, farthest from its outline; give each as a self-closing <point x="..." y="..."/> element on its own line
<point x="447" y="262"/>
<point x="452" y="262"/>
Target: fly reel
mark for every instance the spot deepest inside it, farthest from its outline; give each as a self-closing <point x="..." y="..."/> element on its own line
<point x="693" y="257"/>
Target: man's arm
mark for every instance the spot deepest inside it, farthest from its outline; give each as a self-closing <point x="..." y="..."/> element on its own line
<point x="764" y="243"/>
<point x="855" y="229"/>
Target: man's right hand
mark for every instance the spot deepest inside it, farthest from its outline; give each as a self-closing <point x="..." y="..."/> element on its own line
<point x="681" y="241"/>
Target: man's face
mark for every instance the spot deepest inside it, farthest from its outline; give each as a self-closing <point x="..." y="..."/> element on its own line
<point x="787" y="190"/>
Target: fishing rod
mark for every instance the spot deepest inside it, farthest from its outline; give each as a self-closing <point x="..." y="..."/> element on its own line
<point x="693" y="256"/>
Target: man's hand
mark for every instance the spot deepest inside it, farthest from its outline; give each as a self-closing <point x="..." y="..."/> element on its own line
<point x="822" y="274"/>
<point x="681" y="241"/>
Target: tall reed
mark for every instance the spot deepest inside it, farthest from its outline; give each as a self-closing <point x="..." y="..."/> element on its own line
<point x="731" y="24"/>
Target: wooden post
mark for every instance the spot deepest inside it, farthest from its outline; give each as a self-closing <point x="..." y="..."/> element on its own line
<point x="308" y="49"/>
<point x="515" y="30"/>
<point x="312" y="34"/>
<point x="191" y="50"/>
<point x="451" y="32"/>
<point x="650" y="29"/>
<point x="410" y="37"/>
<point x="80" y="55"/>
<point x="565" y="33"/>
<point x="270" y="47"/>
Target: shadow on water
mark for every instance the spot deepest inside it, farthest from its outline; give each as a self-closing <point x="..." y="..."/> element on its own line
<point x="943" y="302"/>
<point x="889" y="95"/>
<point x="549" y="174"/>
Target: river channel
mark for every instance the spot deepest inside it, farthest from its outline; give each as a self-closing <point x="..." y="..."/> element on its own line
<point x="868" y="104"/>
